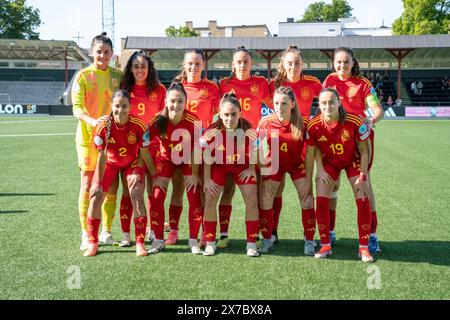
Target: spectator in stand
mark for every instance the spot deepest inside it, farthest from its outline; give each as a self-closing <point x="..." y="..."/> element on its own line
<point x="390" y="101"/>
<point x="419" y="87"/>
<point x="414" y="87"/>
<point x="398" y="102"/>
<point x="445" y="83"/>
<point x="371" y="77"/>
<point x="379" y="83"/>
<point x="381" y="98"/>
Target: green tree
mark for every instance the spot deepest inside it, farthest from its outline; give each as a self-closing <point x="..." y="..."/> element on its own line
<point x="18" y="20"/>
<point x="322" y="12"/>
<point x="423" y="17"/>
<point x="182" y="31"/>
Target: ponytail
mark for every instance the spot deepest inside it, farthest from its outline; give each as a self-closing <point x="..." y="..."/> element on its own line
<point x="297" y="126"/>
<point x="342" y="112"/>
<point x="239" y="49"/>
<point x="163" y="117"/>
<point x="182" y="76"/>
<point x="282" y="74"/>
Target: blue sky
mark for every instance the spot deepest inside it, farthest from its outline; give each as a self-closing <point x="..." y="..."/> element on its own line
<point x="62" y="20"/>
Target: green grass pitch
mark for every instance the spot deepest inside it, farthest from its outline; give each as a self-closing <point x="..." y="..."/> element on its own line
<point x="40" y="233"/>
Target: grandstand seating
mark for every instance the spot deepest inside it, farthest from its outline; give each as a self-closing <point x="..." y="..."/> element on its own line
<point x="432" y="93"/>
<point x="31" y="92"/>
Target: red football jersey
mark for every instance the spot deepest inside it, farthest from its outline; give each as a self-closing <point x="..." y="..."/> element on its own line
<point x="219" y="141"/>
<point x="191" y="125"/>
<point x="124" y="142"/>
<point x="290" y="149"/>
<point x="252" y="93"/>
<point x="202" y="100"/>
<point x="352" y="92"/>
<point x="338" y="144"/>
<point x="305" y="90"/>
<point x="146" y="106"/>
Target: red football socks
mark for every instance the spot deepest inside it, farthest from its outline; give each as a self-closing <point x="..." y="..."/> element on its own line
<point x="266" y="218"/>
<point x="140" y="226"/>
<point x="252" y="228"/>
<point x="210" y="230"/>
<point x="195" y="215"/>
<point x="323" y="219"/>
<point x="126" y="212"/>
<point x="309" y="223"/>
<point x="224" y="217"/>
<point x="174" y="216"/>
<point x="157" y="212"/>
<point x="332" y="219"/>
<point x="277" y="205"/>
<point x="364" y="219"/>
<point x="92" y="229"/>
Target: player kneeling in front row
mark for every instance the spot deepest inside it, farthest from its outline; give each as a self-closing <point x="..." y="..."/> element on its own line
<point x="286" y="127"/>
<point x="343" y="141"/>
<point x="228" y="143"/>
<point x="119" y="139"/>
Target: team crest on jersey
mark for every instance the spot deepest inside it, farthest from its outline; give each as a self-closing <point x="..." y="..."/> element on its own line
<point x="306" y="93"/>
<point x="352" y="91"/>
<point x="131" y="138"/>
<point x="115" y="82"/>
<point x="345" y="135"/>
<point x="254" y="89"/>
<point x="159" y="168"/>
<point x="204" y="93"/>
<point x="153" y="96"/>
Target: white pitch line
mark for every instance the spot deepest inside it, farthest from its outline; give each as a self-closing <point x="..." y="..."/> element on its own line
<point x="36" y="135"/>
<point x="29" y="121"/>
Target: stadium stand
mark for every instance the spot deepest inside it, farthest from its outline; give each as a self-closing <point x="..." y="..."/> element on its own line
<point x="37" y="71"/>
<point x="432" y="93"/>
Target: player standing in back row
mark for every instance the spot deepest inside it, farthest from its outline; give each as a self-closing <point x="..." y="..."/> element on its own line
<point x="91" y="95"/>
<point x="252" y="93"/>
<point x="355" y="92"/>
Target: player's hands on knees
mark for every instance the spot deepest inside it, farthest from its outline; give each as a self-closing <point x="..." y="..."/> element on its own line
<point x="307" y="201"/>
<point x="304" y="191"/>
<point x="362" y="187"/>
<point x="269" y="189"/>
<point x="211" y="187"/>
<point x="192" y="182"/>
<point x="133" y="180"/>
<point x="324" y="177"/>
<point x="160" y="183"/>
<point x="96" y="190"/>
<point x="247" y="174"/>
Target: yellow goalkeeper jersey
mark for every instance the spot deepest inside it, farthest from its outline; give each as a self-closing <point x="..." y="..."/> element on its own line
<point x="92" y="92"/>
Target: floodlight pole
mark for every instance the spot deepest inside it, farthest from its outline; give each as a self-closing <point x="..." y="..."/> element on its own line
<point x="66" y="67"/>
